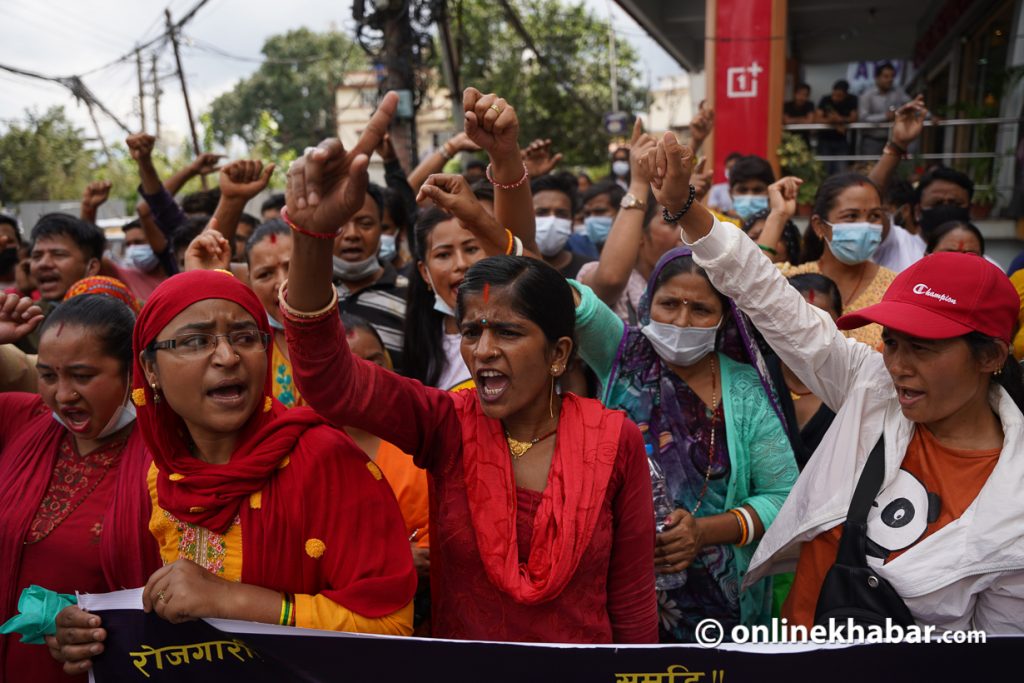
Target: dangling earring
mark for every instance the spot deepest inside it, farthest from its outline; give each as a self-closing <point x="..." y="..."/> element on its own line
<point x="156" y="393"/>
<point x="551" y="394"/>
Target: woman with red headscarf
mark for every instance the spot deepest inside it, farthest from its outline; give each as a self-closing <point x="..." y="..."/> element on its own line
<point x="261" y="513"/>
<point x="73" y="505"/>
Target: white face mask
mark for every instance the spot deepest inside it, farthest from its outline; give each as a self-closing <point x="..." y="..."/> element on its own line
<point x="354" y="271"/>
<point x="552" y="234"/>
<point x="122" y="417"/>
<point x="681" y="345"/>
<point x="440" y="305"/>
<point x="142" y="257"/>
<point x="620" y="168"/>
<point x="274" y="325"/>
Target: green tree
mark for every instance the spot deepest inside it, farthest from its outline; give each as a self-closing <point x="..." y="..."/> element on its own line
<point x="294" y="86"/>
<point x="44" y="158"/>
<point x="565" y="99"/>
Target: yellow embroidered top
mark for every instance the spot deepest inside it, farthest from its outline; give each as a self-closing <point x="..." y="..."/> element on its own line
<point x="869" y="334"/>
<point x="285" y="390"/>
<point x="221" y="554"/>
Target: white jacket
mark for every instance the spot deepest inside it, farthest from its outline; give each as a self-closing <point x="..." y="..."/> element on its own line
<point x="970" y="573"/>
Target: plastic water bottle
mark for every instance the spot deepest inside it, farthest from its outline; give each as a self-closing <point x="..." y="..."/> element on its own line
<point x="662" y="509"/>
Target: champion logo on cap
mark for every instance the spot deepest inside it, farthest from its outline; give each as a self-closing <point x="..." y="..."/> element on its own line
<point x="924" y="289"/>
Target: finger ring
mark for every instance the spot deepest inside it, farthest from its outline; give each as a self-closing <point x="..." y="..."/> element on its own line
<point x="161" y="597"/>
<point x="497" y="109"/>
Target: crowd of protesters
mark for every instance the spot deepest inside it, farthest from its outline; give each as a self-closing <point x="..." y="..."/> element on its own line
<point x="445" y="406"/>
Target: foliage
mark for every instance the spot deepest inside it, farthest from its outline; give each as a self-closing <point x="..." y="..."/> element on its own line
<point x="797" y="159"/>
<point x="294" y="88"/>
<point x="44" y="158"/>
<point x="574" y="43"/>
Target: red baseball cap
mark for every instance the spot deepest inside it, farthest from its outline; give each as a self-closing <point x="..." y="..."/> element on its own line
<point x="945" y="295"/>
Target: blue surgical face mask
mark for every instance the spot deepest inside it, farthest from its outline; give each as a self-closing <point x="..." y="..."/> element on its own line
<point x="682" y="346"/>
<point x="746" y="205"/>
<point x="142" y="257"/>
<point x="388" y="247"/>
<point x="274" y="324"/>
<point x="854" y="243"/>
<point x="597" y="228"/>
<point x="440" y="305"/>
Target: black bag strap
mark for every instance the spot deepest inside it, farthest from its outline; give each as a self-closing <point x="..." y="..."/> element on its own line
<point x="852" y="544"/>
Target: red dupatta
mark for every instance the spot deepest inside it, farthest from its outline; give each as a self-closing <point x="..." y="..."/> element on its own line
<point x="585" y="449"/>
<point x="288" y="466"/>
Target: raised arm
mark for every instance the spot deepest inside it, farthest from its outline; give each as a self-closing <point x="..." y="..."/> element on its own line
<point x="452" y="193"/>
<point x="166" y="212"/>
<point x="202" y="165"/>
<point x="434" y="163"/>
<point x="325" y="188"/>
<point x="906" y="129"/>
<point x="618" y="258"/>
<point x="240" y="181"/>
<point x="805" y="337"/>
<point x="492" y="123"/>
<point x="93" y="197"/>
<point x="782" y="200"/>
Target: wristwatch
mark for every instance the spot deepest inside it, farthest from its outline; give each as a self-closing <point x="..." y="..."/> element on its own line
<point x="631" y="202"/>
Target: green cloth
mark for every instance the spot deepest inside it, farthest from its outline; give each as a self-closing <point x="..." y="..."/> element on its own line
<point x="38" y="609"/>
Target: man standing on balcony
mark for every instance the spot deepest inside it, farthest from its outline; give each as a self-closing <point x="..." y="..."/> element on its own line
<point x="878" y="104"/>
<point x="837" y="109"/>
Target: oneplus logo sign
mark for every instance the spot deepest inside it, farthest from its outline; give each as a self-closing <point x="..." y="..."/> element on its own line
<point x="741" y="81"/>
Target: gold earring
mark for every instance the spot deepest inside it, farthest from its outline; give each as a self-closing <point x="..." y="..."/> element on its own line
<point x="156" y="393"/>
<point x="551" y="398"/>
<point x="554" y="370"/>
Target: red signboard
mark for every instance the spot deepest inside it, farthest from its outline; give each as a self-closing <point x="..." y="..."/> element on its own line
<point x="742" y="60"/>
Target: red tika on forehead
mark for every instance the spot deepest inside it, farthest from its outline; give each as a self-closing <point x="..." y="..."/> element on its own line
<point x="487" y="292"/>
<point x="273" y="238"/>
<point x="60" y="329"/>
<point x="810" y="296"/>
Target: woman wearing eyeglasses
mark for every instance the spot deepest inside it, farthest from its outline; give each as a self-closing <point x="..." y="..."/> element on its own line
<point x="261" y="513"/>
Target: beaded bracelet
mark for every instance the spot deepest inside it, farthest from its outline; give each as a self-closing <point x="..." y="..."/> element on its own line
<point x="518" y="183"/>
<point x="675" y="217"/>
<point x="307" y="233"/>
<point x="302" y="316"/>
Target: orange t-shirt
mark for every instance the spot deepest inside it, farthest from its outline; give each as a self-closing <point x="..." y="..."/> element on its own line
<point x="933" y="488"/>
<point x="410" y="486"/>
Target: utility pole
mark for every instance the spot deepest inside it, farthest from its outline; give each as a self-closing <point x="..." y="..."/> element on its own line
<point x="613" y="61"/>
<point x="399" y="75"/>
<point x="156" y="94"/>
<point x="173" y="33"/>
<point x="142" y="91"/>
<point x="450" y="63"/>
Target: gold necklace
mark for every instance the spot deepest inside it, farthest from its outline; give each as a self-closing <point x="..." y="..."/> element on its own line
<point x="519" y="448"/>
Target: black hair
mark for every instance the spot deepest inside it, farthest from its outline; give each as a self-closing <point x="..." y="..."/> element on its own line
<point x="585" y="176"/>
<point x="377" y="193"/>
<point x="275" y="226"/>
<point x="202" y="202"/>
<point x="622" y="148"/>
<point x="879" y="68"/>
<point x="423" y="345"/>
<point x="356" y="322"/>
<point x="89" y="238"/>
<point x="790" y="235"/>
<point x="6" y="219"/>
<point x="1010" y="377"/>
<point x="935" y="236"/>
<point x="816" y="282"/>
<point x="802" y="86"/>
<point x="652" y="211"/>
<point x="751" y="167"/>
<point x="841" y="84"/>
<point x="249" y="219"/>
<point x="397" y="209"/>
<point x="108" y="319"/>
<point x="611" y="188"/>
<point x="537" y="292"/>
<point x="275" y="201"/>
<point x="899" y="192"/>
<point x="733" y="156"/>
<point x="824" y="202"/>
<point x="135" y="224"/>
<point x="948" y="174"/>
<point x="473" y="163"/>
<point x="556" y="183"/>
<point x="188" y="231"/>
<point x="483" y="191"/>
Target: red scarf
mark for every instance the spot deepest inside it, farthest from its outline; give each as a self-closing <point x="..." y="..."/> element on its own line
<point x="294" y="463"/>
<point x="585" y="449"/>
<point x="128" y="552"/>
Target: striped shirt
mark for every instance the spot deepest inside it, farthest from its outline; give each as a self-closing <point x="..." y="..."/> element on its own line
<point x="382" y="304"/>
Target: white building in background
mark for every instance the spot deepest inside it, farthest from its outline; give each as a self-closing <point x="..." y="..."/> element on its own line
<point x="356" y="98"/>
<point x="672" y="104"/>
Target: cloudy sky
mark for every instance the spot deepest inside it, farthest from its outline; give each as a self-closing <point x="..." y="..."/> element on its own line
<point x="65" y="37"/>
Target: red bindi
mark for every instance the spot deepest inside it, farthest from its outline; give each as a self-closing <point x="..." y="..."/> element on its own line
<point x="960" y="245"/>
<point x="273" y="238"/>
<point x="810" y="296"/>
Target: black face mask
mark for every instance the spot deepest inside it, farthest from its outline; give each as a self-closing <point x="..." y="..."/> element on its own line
<point x="943" y="213"/>
<point x="8" y="259"/>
